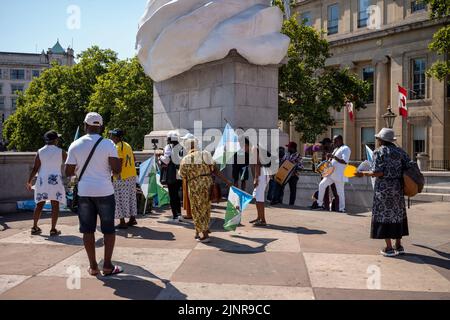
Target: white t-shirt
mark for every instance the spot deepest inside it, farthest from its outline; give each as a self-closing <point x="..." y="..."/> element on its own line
<point x="96" y="180"/>
<point x="343" y="153"/>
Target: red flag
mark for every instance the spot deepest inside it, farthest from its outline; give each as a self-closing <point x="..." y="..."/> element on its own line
<point x="350" y="110"/>
<point x="402" y="97"/>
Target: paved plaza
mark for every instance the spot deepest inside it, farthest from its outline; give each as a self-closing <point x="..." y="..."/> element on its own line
<point x="301" y="255"/>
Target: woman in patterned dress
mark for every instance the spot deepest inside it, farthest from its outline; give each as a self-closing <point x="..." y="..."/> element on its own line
<point x="197" y="168"/>
<point x="49" y="185"/>
<point x="389" y="220"/>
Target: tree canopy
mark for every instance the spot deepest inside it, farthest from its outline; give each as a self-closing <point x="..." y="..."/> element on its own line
<point x="440" y="9"/>
<point x="309" y="90"/>
<point x="60" y="98"/>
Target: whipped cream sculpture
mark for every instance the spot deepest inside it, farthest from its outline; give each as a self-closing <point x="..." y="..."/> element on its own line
<point x="176" y="35"/>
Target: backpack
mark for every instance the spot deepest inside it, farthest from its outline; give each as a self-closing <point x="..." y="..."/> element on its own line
<point x="413" y="179"/>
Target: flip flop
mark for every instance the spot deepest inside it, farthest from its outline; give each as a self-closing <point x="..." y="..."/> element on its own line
<point x="260" y="224"/>
<point x="116" y="270"/>
<point x="93" y="272"/>
<point x="55" y="233"/>
<point x="36" y="231"/>
<point x="254" y="221"/>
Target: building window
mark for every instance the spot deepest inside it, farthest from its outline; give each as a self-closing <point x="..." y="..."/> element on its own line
<point x="337" y="132"/>
<point x="36" y="73"/>
<point x="419" y="140"/>
<point x="17" y="74"/>
<point x="2" y="103"/>
<point x="369" y="76"/>
<point x="418" y="79"/>
<point x="14" y="103"/>
<point x="17" y="88"/>
<point x="367" y="139"/>
<point x="363" y="13"/>
<point x="418" y="5"/>
<point x="306" y="17"/>
<point x="333" y="19"/>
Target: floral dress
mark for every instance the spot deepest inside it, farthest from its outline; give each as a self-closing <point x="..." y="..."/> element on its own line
<point x="196" y="168"/>
<point x="389" y="219"/>
<point x="49" y="184"/>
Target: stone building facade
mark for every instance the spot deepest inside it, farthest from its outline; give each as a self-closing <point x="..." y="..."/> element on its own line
<point x="17" y="70"/>
<point x="386" y="43"/>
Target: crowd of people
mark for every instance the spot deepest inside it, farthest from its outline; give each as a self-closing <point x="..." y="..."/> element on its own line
<point x="106" y="184"/>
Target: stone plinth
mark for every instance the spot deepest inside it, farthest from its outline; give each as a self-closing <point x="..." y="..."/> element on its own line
<point x="244" y="94"/>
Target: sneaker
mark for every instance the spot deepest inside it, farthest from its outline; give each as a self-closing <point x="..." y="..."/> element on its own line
<point x="180" y="219"/>
<point x="389" y="253"/>
<point x="400" y="250"/>
<point x="320" y="208"/>
<point x="343" y="211"/>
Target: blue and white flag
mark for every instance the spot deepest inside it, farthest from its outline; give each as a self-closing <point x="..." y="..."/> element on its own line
<point x="150" y="182"/>
<point x="238" y="201"/>
<point x="370" y="158"/>
<point x="229" y="145"/>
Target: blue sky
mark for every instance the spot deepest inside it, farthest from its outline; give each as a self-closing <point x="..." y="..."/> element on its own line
<point x="25" y="24"/>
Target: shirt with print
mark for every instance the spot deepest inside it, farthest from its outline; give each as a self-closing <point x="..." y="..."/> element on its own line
<point x="125" y="153"/>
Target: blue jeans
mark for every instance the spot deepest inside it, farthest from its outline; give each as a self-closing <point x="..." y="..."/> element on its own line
<point x="90" y="207"/>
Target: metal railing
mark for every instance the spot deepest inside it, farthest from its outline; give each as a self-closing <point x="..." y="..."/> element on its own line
<point x="439" y="165"/>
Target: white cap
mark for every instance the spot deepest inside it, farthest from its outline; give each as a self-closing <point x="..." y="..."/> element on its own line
<point x="94" y="119"/>
<point x="173" y="135"/>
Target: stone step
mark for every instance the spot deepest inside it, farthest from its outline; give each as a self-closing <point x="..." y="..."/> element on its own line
<point x="437" y="189"/>
<point x="431" y="197"/>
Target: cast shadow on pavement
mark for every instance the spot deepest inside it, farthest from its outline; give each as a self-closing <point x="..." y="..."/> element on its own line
<point x="145" y="233"/>
<point x="70" y="240"/>
<point x="239" y="248"/>
<point x="136" y="284"/>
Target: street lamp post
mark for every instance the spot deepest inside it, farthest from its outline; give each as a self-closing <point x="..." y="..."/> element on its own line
<point x="389" y="118"/>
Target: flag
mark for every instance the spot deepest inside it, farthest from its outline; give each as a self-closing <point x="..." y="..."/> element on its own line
<point x="369" y="154"/>
<point x="228" y="146"/>
<point x="238" y="201"/>
<point x="150" y="182"/>
<point x="77" y="134"/>
<point x="402" y="97"/>
<point x="350" y="110"/>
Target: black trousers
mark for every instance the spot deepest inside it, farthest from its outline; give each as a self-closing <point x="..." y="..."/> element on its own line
<point x="293" y="189"/>
<point x="174" y="195"/>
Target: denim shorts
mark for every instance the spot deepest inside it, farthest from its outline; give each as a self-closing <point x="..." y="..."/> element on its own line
<point x="90" y="207"/>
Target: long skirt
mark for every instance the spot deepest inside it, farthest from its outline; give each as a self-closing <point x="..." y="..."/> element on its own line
<point x="199" y="196"/>
<point x="126" y="200"/>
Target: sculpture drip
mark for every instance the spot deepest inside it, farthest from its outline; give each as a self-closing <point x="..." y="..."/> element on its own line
<point x="176" y="35"/>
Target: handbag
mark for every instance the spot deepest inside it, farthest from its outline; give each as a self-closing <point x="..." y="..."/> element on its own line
<point x="75" y="199"/>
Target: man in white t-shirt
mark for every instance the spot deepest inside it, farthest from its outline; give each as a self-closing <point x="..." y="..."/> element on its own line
<point x="95" y="189"/>
<point x="339" y="159"/>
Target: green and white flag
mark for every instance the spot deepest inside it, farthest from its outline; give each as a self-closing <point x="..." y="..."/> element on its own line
<point x="238" y="201"/>
<point x="229" y="145"/>
<point x="150" y="181"/>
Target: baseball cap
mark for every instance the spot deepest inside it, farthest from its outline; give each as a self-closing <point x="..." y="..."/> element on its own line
<point x="117" y="132"/>
<point x="94" y="119"/>
<point x="51" y="135"/>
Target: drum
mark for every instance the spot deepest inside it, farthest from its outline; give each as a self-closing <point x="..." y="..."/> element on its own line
<point x="325" y="168"/>
<point x="285" y="173"/>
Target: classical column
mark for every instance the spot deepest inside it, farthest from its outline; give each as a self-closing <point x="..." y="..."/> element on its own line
<point x="350" y="126"/>
<point x="382" y="91"/>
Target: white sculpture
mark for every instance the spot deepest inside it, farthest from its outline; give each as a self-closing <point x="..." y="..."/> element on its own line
<point x="176" y="35"/>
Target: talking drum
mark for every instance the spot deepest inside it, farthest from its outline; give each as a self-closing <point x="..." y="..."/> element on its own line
<point x="285" y="173"/>
<point x="325" y="168"/>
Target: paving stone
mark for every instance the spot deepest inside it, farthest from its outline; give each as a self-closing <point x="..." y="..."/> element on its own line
<point x="346" y="271"/>
<point x="19" y="259"/>
<point x="142" y="263"/>
<point x="55" y="288"/>
<point x="346" y="294"/>
<point x="10" y="281"/>
<point x="198" y="291"/>
<point x="247" y="240"/>
<point x="210" y="266"/>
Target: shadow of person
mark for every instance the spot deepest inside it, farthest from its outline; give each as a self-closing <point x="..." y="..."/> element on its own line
<point x="443" y="254"/>
<point x="428" y="260"/>
<point x="71" y="240"/>
<point x="145" y="233"/>
<point x="137" y="283"/>
<point x="225" y="245"/>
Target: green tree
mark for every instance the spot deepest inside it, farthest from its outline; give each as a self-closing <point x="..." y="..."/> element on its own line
<point x="308" y="89"/>
<point x="440" y="9"/>
<point x="124" y="97"/>
<point x="60" y="98"/>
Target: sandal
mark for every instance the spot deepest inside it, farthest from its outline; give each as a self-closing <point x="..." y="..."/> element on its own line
<point x="93" y="272"/>
<point x="36" y="231"/>
<point x="205" y="240"/>
<point x="54" y="233"/>
<point x="260" y="224"/>
<point x="132" y="223"/>
<point x="116" y="270"/>
<point x="254" y="221"/>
